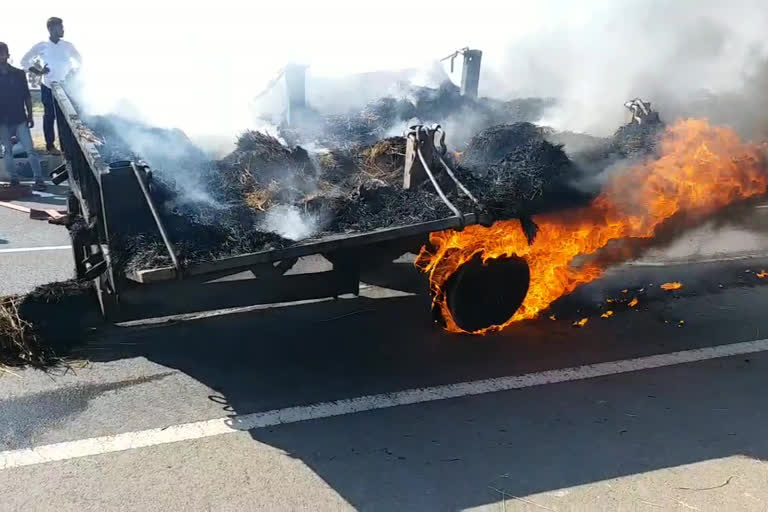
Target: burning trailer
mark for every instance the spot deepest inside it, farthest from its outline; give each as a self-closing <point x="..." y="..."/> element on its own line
<point x="149" y="258"/>
<point x="502" y="228"/>
<point x="145" y="247"/>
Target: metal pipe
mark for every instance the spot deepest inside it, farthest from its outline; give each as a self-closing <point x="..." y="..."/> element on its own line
<point x="436" y="185"/>
<point x="158" y="220"/>
<point x="448" y="169"/>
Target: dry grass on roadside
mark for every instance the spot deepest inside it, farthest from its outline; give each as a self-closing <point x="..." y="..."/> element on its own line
<point x="19" y="345"/>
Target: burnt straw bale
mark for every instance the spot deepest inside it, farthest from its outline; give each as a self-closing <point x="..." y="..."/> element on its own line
<point x="39" y="327"/>
<point x="517" y="172"/>
<point x="352" y="179"/>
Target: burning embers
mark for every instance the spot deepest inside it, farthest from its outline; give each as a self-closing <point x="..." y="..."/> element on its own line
<point x="701" y="169"/>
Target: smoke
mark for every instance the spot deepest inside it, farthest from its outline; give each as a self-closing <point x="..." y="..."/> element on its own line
<point x="669" y="53"/>
<point x="289" y="222"/>
<point x="180" y="64"/>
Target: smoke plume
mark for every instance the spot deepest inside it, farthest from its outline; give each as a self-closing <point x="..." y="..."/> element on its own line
<point x="176" y="64"/>
<point x="673" y="54"/>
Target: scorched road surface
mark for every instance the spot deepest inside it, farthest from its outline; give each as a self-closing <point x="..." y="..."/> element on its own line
<point x="153" y="421"/>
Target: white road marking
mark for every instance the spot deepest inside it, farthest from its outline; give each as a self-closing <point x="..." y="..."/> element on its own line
<point x="201" y="429"/>
<point x="695" y="261"/>
<point x="33" y="249"/>
<point x="189" y="317"/>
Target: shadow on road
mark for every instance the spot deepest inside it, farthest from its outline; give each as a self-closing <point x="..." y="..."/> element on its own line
<point x="449" y="455"/>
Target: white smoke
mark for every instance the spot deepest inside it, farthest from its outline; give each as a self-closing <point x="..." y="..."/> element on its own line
<point x="669" y="53"/>
<point x="289" y="222"/>
<point x="198" y="68"/>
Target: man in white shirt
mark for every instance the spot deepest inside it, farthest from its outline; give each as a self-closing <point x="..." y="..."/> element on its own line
<point x="53" y="60"/>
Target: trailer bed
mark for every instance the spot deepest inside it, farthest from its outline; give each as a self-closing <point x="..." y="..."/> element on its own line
<point x="325" y="245"/>
<point x="108" y="197"/>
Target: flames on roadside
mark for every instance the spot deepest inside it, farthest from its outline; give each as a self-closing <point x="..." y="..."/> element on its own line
<point x="702" y="169"/>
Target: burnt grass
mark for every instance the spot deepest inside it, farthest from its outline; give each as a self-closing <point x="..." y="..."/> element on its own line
<point x="39" y="327"/>
<point x="354" y="184"/>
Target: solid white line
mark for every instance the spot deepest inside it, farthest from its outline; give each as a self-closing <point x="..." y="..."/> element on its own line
<point x="33" y="249"/>
<point x="201" y="429"/>
<point x="695" y="261"/>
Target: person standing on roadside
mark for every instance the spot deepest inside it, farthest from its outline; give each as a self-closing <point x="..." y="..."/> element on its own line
<point x="16" y="118"/>
<point x="53" y="60"/>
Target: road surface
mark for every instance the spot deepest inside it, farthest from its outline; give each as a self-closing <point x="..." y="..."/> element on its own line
<point x="261" y="410"/>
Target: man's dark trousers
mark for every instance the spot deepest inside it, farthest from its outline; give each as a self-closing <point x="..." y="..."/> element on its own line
<point x="49" y="115"/>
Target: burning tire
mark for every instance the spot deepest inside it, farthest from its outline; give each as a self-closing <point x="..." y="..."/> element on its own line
<point x="480" y="295"/>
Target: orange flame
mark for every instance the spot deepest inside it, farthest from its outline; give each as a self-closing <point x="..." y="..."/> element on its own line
<point x="763" y="274"/>
<point x="702" y="168"/>
<point x="672" y="286"/>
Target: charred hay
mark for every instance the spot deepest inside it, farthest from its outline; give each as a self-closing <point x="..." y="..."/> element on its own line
<point x="355" y="189"/>
<point x="631" y="142"/>
<point x="19" y="346"/>
<point x="425" y="105"/>
<point x="261" y="167"/>
<point x="516" y="172"/>
<point x="45" y="323"/>
<point x="634" y="140"/>
<point x="355" y="185"/>
<point x="194" y="241"/>
<point x="122" y="139"/>
<point x="361" y="190"/>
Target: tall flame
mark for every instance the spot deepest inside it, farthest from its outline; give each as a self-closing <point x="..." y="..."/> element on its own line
<point x="702" y="168"/>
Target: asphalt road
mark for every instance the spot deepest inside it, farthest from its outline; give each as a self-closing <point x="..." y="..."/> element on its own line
<point x="33" y="252"/>
<point x="673" y="437"/>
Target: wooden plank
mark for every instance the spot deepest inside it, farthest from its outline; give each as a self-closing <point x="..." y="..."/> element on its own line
<point x="33" y="212"/>
<point x="55" y="214"/>
<point x="414" y="173"/>
<point x="16" y="207"/>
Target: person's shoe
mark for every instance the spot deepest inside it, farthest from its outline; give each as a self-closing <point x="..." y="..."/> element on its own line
<point x="39" y="186"/>
<point x="15" y="182"/>
<point x="50" y="148"/>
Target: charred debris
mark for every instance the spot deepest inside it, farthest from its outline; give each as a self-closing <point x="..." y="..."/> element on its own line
<point x="271" y="193"/>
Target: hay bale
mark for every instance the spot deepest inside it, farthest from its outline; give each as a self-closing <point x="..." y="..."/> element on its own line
<point x="637" y="140"/>
<point x="632" y="142"/>
<point x="494" y="143"/>
<point x="262" y="199"/>
<point x="262" y="172"/>
<point x="266" y="157"/>
<point x="45" y="323"/>
<point x="196" y="240"/>
<point x="19" y="346"/>
<point x="354" y="186"/>
<point x="338" y="166"/>
<point x="516" y="172"/>
<point x="385" y="160"/>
